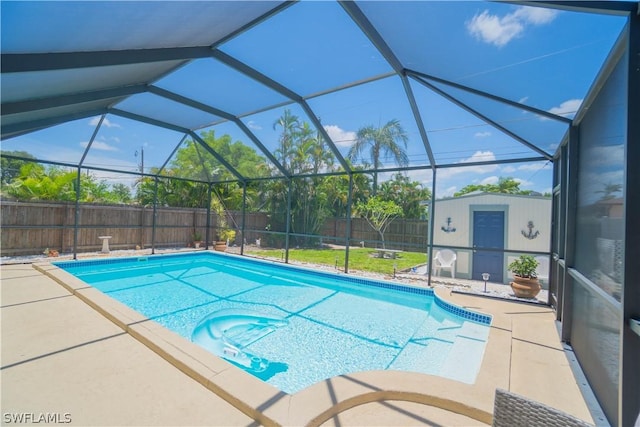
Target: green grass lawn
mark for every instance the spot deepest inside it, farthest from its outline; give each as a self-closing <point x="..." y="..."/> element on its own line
<point x="362" y="259"/>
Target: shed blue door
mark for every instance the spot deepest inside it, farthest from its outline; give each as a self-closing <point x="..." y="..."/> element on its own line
<point x="488" y="233"/>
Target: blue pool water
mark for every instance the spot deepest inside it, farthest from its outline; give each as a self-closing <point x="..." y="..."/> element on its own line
<point x="293" y="327"/>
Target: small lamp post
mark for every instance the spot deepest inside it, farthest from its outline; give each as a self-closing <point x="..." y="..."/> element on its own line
<point x="485" y="277"/>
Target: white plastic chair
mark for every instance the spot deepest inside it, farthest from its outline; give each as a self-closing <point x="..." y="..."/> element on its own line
<point x="444" y="259"/>
<point x="543" y="269"/>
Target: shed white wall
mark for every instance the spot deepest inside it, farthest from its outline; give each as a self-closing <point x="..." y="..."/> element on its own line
<point x="519" y="210"/>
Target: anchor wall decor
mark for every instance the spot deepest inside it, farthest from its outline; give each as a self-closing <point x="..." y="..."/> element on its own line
<point x="448" y="228"/>
<point x="531" y="234"/>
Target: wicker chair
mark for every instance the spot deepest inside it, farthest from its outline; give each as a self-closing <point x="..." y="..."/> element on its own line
<point x="512" y="410"/>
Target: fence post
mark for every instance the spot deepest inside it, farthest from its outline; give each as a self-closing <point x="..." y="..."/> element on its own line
<point x="244" y="216"/>
<point x="77" y="216"/>
<point x="142" y="228"/>
<point x="153" y="220"/>
<point x="404" y="233"/>
<point x="286" y="241"/>
<point x="432" y="212"/>
<point x="207" y="236"/>
<point x="63" y="228"/>
<point x="348" y="225"/>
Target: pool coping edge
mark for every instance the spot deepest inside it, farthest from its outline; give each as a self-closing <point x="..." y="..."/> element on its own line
<point x="264" y="403"/>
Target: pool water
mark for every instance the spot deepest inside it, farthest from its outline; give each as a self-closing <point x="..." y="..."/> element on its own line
<point x="293" y="327"/>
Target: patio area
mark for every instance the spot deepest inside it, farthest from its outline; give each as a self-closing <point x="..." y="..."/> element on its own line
<point x="492" y="129"/>
<point x="72" y="352"/>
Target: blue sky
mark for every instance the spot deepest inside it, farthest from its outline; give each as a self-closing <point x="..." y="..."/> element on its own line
<point x="541" y="58"/>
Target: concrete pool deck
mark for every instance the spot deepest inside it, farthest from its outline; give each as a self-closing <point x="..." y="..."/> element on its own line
<point x="71" y="350"/>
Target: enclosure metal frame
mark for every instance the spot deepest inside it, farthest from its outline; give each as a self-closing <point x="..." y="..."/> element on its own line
<point x="629" y="390"/>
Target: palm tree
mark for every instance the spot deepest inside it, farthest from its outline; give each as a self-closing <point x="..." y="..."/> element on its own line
<point x="290" y="125"/>
<point x="318" y="153"/>
<point x="387" y="141"/>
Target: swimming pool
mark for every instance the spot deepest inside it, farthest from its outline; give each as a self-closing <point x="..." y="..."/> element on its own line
<point x="291" y="326"/>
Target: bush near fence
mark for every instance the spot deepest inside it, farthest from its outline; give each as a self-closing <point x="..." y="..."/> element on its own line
<point x="29" y="228"/>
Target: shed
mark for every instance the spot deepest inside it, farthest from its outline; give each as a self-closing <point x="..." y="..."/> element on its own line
<point x="489" y="230"/>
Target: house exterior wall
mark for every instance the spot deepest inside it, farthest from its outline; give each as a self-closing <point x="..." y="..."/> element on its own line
<point x="518" y="212"/>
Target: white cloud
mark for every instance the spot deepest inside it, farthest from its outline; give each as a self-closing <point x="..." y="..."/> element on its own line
<point x="500" y="30"/>
<point x="106" y="123"/>
<point x="478" y="156"/>
<point x="536" y="15"/>
<point x="447" y="192"/>
<point x="111" y="138"/>
<point x="253" y="125"/>
<point x="490" y="180"/>
<point x="493" y="29"/>
<point x="508" y="169"/>
<point x="340" y="137"/>
<point x="482" y="134"/>
<point x="99" y="145"/>
<point x="523" y="100"/>
<point x="481" y="156"/>
<point x="567" y="108"/>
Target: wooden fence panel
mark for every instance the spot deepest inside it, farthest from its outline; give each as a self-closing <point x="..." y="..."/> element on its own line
<point x="402" y="234"/>
<point x="44" y="230"/>
<point x="31" y="227"/>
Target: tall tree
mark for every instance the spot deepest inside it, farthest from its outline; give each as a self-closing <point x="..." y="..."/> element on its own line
<point x="301" y="151"/>
<point x="409" y="195"/>
<point x="336" y="188"/>
<point x="290" y="124"/>
<point x="388" y="141"/>
<point x="194" y="161"/>
<point x="172" y="192"/>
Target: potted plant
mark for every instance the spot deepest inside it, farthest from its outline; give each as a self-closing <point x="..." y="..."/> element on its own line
<point x="51" y="252"/>
<point x="225" y="235"/>
<point x="196" y="237"/>
<point x="525" y="279"/>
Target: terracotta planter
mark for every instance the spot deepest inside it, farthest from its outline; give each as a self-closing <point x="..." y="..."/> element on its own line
<point x="524" y="287"/>
<point x="220" y="246"/>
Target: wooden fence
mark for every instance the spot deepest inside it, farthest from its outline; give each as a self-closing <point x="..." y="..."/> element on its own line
<point x="401" y="233"/>
<point x="31" y="227"/>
